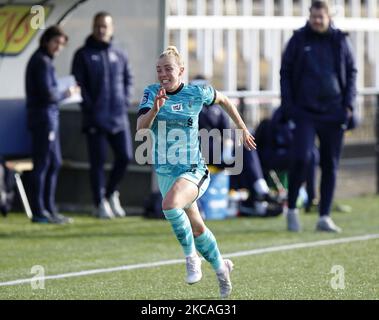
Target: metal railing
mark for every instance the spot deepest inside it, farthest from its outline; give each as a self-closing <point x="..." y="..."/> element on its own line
<point x="239" y="43"/>
<point x="258" y="105"/>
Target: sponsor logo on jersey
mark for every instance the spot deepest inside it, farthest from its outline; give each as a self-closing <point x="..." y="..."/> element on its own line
<point x="177" y="107"/>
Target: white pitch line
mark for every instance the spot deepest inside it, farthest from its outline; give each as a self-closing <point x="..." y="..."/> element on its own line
<point x="177" y="261"/>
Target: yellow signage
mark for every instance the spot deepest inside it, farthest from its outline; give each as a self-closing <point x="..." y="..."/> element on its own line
<point x="18" y="25"/>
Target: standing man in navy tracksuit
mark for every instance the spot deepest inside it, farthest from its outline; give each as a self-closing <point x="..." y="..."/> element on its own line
<point x="42" y="98"/>
<point x="103" y="74"/>
<point x="318" y="89"/>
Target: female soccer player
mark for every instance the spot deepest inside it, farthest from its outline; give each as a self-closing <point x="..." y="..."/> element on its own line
<point x="171" y="108"/>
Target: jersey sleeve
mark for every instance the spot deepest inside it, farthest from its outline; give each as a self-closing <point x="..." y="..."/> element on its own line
<point x="208" y="94"/>
<point x="146" y="103"/>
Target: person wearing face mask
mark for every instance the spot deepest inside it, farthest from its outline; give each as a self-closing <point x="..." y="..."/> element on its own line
<point x="103" y="72"/>
<point x="170" y="109"/>
<point x="318" y="92"/>
<point x="42" y="99"/>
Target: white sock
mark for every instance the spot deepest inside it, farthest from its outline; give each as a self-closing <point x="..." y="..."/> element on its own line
<point x="221" y="269"/>
<point x="261" y="187"/>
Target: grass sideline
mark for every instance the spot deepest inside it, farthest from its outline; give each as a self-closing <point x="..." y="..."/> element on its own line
<point x="90" y="244"/>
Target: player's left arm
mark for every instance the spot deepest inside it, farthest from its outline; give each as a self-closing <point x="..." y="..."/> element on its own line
<point x="231" y="110"/>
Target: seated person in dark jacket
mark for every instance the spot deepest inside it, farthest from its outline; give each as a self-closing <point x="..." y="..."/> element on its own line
<point x="42" y="98"/>
<point x="275" y="138"/>
<point x="102" y="71"/>
<point x="251" y="176"/>
<point x="260" y="202"/>
<point x="210" y="118"/>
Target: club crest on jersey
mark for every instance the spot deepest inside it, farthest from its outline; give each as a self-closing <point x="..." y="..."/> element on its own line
<point x="177" y="107"/>
<point x="145" y="98"/>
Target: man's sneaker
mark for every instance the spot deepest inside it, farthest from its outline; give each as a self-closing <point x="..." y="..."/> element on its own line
<point x="104" y="211"/>
<point x="223" y="278"/>
<point x="327" y="224"/>
<point x="193" y="266"/>
<point x="114" y="202"/>
<point x="38" y="218"/>
<point x="293" y="223"/>
<point x="44" y="217"/>
<point x="60" y="217"/>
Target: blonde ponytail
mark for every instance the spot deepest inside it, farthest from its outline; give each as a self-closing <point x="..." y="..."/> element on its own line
<point x="173" y="51"/>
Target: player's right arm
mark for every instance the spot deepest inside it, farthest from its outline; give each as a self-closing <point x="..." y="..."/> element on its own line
<point x="146" y="118"/>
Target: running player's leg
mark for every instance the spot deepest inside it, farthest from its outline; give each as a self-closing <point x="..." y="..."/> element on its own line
<point x="206" y="244"/>
<point x="179" y="195"/>
<point x="205" y="241"/>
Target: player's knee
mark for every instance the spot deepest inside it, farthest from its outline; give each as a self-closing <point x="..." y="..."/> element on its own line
<point x="170" y="203"/>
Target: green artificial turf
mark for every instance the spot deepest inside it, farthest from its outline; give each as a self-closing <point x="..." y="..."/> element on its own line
<point x="91" y="244"/>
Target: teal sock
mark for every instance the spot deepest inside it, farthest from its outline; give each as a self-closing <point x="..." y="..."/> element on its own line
<point x="182" y="228"/>
<point x="206" y="244"/>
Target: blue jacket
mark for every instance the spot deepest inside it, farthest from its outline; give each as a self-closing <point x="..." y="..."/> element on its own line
<point x="102" y="72"/>
<point x="294" y="69"/>
<point x="42" y="95"/>
<point x="274" y="136"/>
<point x="275" y="133"/>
